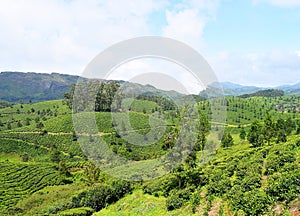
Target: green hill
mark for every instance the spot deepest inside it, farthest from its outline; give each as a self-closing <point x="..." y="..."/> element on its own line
<point x="265" y="93"/>
<point x="16" y="86"/>
<point x="43" y="170"/>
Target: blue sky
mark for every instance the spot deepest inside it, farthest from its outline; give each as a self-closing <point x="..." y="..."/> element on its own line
<point x="251" y="42"/>
<point x="244" y="25"/>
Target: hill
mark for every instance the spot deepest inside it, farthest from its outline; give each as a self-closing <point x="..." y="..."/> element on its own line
<point x="232" y="89"/>
<point x="16" y="86"/>
<point x="254" y="170"/>
<point x="265" y="93"/>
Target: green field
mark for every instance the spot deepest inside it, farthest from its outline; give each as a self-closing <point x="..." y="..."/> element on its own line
<point x="44" y="171"/>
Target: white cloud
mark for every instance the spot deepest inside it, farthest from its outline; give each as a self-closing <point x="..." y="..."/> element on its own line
<point x="155" y="72"/>
<point x="272" y="68"/>
<point x="186" y="22"/>
<point x="63" y="36"/>
<point x="280" y="3"/>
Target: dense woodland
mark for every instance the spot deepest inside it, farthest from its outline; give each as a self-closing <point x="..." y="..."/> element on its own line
<point x="254" y="171"/>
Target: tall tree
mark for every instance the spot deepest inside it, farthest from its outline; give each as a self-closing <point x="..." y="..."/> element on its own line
<point x="269" y="128"/>
<point x="243" y="134"/>
<point x="227" y="140"/>
<point x="204" y="128"/>
<point x="255" y="136"/>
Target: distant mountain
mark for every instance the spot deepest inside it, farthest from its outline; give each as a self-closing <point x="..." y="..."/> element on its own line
<point x="291" y="89"/>
<point x="232" y="89"/>
<point x="236" y="89"/>
<point x="16" y="86"/>
<point x="265" y="93"/>
<point x="137" y="89"/>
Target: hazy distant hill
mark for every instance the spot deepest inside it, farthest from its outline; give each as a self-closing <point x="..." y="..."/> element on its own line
<point x="232" y="89"/>
<point x="265" y="93"/>
<point x="15" y="86"/>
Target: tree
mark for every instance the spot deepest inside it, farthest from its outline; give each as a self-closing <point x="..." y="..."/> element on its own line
<point x="55" y="155"/>
<point x="281" y="132"/>
<point x="92" y="174"/>
<point x="75" y="138"/>
<point x="63" y="170"/>
<point x="269" y="128"/>
<point x="289" y="125"/>
<point x="19" y="124"/>
<point x="25" y="157"/>
<point x="255" y="136"/>
<point x="27" y="121"/>
<point x="243" y="134"/>
<point x="39" y="125"/>
<point x="9" y="126"/>
<point x="204" y="128"/>
<point x="227" y="140"/>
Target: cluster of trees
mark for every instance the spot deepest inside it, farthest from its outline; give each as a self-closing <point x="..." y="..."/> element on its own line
<point x="101" y="92"/>
<point x="269" y="130"/>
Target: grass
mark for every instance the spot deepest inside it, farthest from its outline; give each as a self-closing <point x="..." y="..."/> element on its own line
<point x="138" y="203"/>
<point x="48" y="199"/>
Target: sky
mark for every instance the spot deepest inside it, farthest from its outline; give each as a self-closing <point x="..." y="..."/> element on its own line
<point x="250" y="42"/>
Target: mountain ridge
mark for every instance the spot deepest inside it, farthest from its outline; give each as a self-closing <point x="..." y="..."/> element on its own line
<point x="16" y="86"/>
<point x="233" y="89"/>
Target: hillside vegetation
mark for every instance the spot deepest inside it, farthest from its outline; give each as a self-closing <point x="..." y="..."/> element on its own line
<point x="254" y="171"/>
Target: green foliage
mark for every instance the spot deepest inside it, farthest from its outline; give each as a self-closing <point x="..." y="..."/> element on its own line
<point x="284" y="186"/>
<point x="243" y="134"/>
<point x="244" y="179"/>
<point x="21" y="148"/>
<point x="161" y="185"/>
<point x="63" y="171"/>
<point x="25" y="157"/>
<point x="255" y="136"/>
<point x="227" y="140"/>
<point x="178" y="198"/>
<point x="219" y="183"/>
<point x="103" y="93"/>
<point x="4" y="104"/>
<point x="55" y="155"/>
<point x="20" y="180"/>
<point x="269" y="128"/>
<point x="278" y="157"/>
<point x="252" y="202"/>
<point x="265" y="93"/>
<point x="102" y="195"/>
<point x="92" y="174"/>
<point x="163" y="102"/>
<point x="203" y="131"/>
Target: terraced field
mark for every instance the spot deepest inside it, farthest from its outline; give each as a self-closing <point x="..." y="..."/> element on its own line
<point x="20" y="180"/>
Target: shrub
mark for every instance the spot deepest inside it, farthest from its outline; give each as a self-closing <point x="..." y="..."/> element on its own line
<point x="285" y="186"/>
<point x="101" y="196"/>
<point x="178" y="199"/>
<point x="278" y="159"/>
